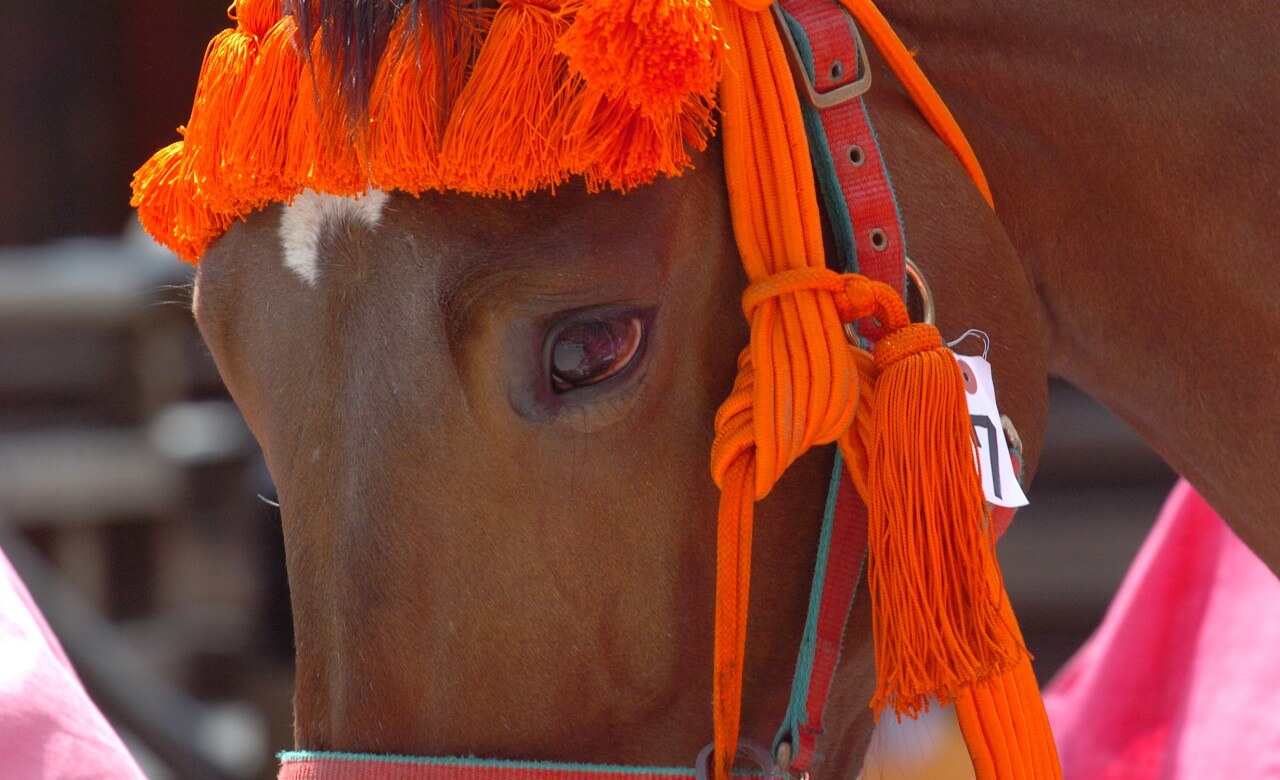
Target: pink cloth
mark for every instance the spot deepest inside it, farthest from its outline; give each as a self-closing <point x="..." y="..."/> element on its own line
<point x="49" y="729"/>
<point x="1182" y="680"/>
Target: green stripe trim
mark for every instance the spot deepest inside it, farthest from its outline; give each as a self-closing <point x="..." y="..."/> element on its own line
<point x="481" y="763"/>
<point x="835" y="208"/>
<point x="471" y="762"/>
<point x="796" y="715"/>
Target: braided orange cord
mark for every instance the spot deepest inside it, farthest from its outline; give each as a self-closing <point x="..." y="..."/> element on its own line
<point x="736" y="451"/>
<point x="795" y="378"/>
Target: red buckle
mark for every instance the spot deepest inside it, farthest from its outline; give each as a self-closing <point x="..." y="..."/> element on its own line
<point x="843" y="92"/>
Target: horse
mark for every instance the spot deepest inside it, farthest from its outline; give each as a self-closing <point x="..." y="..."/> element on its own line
<point x="488" y="419"/>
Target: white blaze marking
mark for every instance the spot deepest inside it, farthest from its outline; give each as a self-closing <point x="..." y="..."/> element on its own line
<point x="305" y="220"/>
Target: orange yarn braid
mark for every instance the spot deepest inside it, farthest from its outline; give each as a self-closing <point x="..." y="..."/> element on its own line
<point x="940" y="616"/>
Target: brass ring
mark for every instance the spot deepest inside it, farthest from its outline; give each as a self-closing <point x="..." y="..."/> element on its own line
<point x="928" y="310"/>
<point x="927" y="307"/>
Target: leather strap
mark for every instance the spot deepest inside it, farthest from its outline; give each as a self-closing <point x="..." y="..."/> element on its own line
<point x="852" y="155"/>
<point x="303" y="765"/>
<point x="842" y="552"/>
<point x="864" y="218"/>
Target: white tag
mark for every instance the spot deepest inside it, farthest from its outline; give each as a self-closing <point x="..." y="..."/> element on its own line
<point x="999" y="482"/>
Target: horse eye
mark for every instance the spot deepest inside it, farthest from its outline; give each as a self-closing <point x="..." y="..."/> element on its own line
<point x="594" y="349"/>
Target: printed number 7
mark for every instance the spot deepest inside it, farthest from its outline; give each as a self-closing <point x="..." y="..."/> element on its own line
<point x="993" y="450"/>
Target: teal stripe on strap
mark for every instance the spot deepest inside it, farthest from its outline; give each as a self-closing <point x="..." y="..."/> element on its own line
<point x="496" y="763"/>
<point x="835" y="208"/>
<point x="481" y="763"/>
<point x="796" y="715"/>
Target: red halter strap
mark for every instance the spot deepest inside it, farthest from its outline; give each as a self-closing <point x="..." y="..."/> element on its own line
<point x="830" y="64"/>
<point x="355" y="766"/>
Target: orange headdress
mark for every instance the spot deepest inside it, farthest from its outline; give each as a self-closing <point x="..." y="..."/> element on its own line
<point x="617" y="92"/>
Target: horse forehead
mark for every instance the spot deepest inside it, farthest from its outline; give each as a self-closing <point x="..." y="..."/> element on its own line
<point x="305" y="221"/>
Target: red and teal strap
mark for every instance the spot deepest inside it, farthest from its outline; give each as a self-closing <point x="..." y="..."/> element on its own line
<point x="841" y="559"/>
<point x="307" y="765"/>
<point x="864" y="219"/>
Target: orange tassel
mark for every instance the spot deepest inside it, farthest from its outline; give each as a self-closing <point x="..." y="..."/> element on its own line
<point x="415" y="83"/>
<point x="503" y="136"/>
<point x="651" y="68"/>
<point x="614" y="144"/>
<point x="254" y="159"/>
<point x="164" y="195"/>
<point x="256" y="17"/>
<point x="935" y="587"/>
<point x="320" y="147"/>
<point x="223" y="78"/>
<point x="652" y="54"/>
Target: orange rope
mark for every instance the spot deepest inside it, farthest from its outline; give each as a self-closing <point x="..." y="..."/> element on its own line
<point x="936" y="590"/>
<point x="771" y="412"/>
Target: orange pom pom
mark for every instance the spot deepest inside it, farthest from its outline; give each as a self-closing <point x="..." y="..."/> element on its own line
<point x="654" y="54"/>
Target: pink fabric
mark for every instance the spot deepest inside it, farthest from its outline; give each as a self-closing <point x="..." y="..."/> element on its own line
<point x="49" y="729"/>
<point x="1182" y="680"/>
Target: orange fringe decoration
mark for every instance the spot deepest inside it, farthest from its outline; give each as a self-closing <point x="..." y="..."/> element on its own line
<point x="223" y="78"/>
<point x="414" y="85"/>
<point x="321" y="147"/>
<point x="637" y="97"/>
<point x="614" y="144"/>
<point x="502" y="138"/>
<point x="165" y="197"/>
<point x="254" y="161"/>
<point x="256" y="17"/>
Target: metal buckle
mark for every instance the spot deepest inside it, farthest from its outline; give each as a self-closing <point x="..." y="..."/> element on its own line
<point x="748" y="749"/>
<point x="832" y="97"/>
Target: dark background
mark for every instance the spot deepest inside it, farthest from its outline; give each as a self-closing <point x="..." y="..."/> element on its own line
<point x="129" y="489"/>
<point x="88" y="90"/>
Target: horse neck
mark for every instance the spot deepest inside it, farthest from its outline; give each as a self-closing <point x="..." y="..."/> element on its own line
<point x="1128" y="146"/>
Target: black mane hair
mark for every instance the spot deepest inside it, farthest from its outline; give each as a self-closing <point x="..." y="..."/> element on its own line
<point x="356" y="33"/>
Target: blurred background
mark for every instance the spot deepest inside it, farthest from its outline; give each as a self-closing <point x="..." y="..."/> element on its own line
<point x="133" y="501"/>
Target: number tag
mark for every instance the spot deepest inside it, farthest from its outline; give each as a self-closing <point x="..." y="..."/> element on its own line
<point x="999" y="482"/>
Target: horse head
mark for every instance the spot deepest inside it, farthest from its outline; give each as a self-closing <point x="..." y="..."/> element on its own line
<point x="488" y="420"/>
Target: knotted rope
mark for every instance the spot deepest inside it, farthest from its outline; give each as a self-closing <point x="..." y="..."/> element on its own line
<point x="937" y="598"/>
<point x="797" y="386"/>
